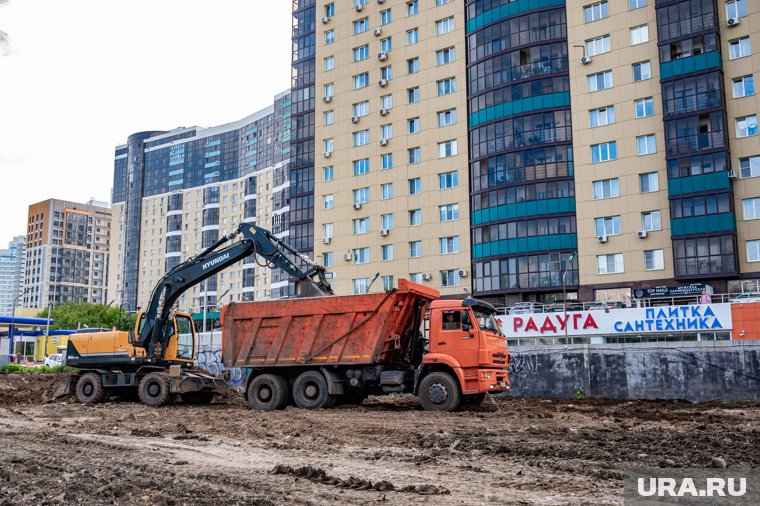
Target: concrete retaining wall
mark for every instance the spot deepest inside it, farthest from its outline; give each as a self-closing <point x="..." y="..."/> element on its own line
<point x="696" y="371"/>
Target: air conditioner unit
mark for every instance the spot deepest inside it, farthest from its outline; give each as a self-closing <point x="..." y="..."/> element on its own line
<point x="732" y="174"/>
<point x="585" y="59"/>
<point x="383" y="112"/>
<point x="354" y="119"/>
<point x="426" y="277"/>
<point x="641" y="234"/>
<point x="378" y="31"/>
<point x="325" y="20"/>
<point x="347" y="257"/>
<point x="601" y="238"/>
<point x="358" y="7"/>
<point x="326" y="99"/>
<point x="382" y="56"/>
<point x="326" y="154"/>
<point x="326" y="240"/>
<point x="357" y="205"/>
<point x="383" y="83"/>
<point x="462" y="273"/>
<point x="383" y="232"/>
<point x="732" y="21"/>
<point x="383" y="142"/>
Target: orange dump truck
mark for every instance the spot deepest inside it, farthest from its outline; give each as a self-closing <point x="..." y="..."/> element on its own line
<point x="318" y="351"/>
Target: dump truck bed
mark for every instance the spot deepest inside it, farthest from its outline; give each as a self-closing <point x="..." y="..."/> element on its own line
<point x="352" y="329"/>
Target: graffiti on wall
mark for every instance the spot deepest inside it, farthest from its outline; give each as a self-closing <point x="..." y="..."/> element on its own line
<point x="523" y="364"/>
<point x="210" y="359"/>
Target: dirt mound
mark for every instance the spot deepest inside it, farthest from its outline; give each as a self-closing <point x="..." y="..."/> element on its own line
<point x="24" y="388"/>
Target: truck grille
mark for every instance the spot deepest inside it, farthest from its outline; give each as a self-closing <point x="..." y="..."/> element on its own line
<point x="499" y="358"/>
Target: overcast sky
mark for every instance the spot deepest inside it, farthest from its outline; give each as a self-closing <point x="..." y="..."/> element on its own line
<point x="77" y="77"/>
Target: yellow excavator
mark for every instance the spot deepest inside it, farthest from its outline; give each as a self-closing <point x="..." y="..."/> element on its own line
<point x="155" y="360"/>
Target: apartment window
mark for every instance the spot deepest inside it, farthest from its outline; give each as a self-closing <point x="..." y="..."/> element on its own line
<point x="361" y="195"/>
<point x="329" y="89"/>
<point x="361" y="53"/>
<point x="387" y="161"/>
<point x="654" y="260"/>
<point x="361" y="255"/>
<point x="413" y="94"/>
<point x="749" y="167"/>
<point x="386" y="221"/>
<point x="602" y="116"/>
<point x="636" y="4"/>
<point x="639" y="34"/>
<point x="327" y="230"/>
<point x="412" y="36"/>
<point x="736" y="9"/>
<point x="448" y="180"/>
<point x="751" y="208"/>
<point x="739" y="48"/>
<point x="448" y="212"/>
<point x="444" y="56"/>
<point x="385" y="17"/>
<point x="329" y="202"/>
<point x="414" y="155"/>
<point x="608" y="226"/>
<point x="361" y="138"/>
<point x="361" y="226"/>
<point x="329" y="117"/>
<point x="330" y="10"/>
<point x="644" y="107"/>
<point x="443" y="2"/>
<point x="386" y="131"/>
<point x="387" y="283"/>
<point x="387" y="252"/>
<point x="447" y="117"/>
<point x="412" y="8"/>
<point x="599" y="81"/>
<point x="446" y="86"/>
<point x="415" y="249"/>
<point x="415" y="186"/>
<point x="329" y="37"/>
<point x="645" y="145"/>
<point x="651" y="220"/>
<point x="753" y="251"/>
<point x="604" y="152"/>
<point x="744" y="86"/>
<point x="450" y="277"/>
<point x="361" y="81"/>
<point x="444" y="26"/>
<point x="386" y="102"/>
<point x="413" y="65"/>
<point x="449" y="245"/>
<point x="598" y="45"/>
<point x="386" y="190"/>
<point x="361" y="166"/>
<point x="415" y="217"/>
<point x="328" y="173"/>
<point x="329" y="145"/>
<point x="386" y="44"/>
<point x="386" y="73"/>
<point x="648" y="182"/>
<point x="595" y="12"/>
<point x="746" y="126"/>
<point x="360" y="109"/>
<point x="327" y="259"/>
<point x="606" y="189"/>
<point x="642" y="71"/>
<point x="447" y="149"/>
<point x="329" y="63"/>
<point x="414" y="125"/>
<point x="361" y="25"/>
<point x="361" y="285"/>
<point x="609" y="264"/>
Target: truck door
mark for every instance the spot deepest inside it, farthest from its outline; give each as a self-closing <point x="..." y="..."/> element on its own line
<point x="455" y="336"/>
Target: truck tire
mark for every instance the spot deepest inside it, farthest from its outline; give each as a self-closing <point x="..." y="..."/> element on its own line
<point x="154" y="389"/>
<point x="268" y="392"/>
<point x="310" y="391"/>
<point x="89" y="389"/>
<point x="439" y="392"/>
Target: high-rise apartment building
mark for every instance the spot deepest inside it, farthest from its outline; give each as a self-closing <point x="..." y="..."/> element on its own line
<point x="67" y="253"/>
<point x="11" y="273"/>
<point x="176" y="193"/>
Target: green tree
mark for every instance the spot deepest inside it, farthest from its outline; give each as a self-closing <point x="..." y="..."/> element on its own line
<point x="73" y="315"/>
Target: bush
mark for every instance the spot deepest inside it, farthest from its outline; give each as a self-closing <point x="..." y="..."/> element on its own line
<point x="42" y="369"/>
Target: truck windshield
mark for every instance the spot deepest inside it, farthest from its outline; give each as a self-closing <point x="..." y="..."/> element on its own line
<point x="486" y="321"/>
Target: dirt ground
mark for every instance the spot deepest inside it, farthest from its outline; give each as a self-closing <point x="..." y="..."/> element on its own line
<point x="389" y="451"/>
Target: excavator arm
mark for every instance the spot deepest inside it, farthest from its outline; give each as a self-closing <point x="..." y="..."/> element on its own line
<point x="153" y="333"/>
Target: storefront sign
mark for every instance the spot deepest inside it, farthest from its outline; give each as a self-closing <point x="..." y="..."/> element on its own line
<point x="671" y="291"/>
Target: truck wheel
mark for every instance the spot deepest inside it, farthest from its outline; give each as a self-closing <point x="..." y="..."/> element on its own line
<point x="198" y="398"/>
<point x="310" y="391"/>
<point x="89" y="389"/>
<point x="154" y="389"/>
<point x="439" y="392"/>
<point x="268" y="392"/>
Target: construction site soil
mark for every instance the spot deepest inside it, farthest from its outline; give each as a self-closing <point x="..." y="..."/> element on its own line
<point x="508" y="451"/>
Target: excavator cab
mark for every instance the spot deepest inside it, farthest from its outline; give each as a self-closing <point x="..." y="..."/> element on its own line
<point x="180" y="335"/>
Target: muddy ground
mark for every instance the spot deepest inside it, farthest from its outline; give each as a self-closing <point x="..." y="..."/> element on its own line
<point x="389" y="451"/>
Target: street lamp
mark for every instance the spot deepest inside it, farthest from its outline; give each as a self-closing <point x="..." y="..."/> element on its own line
<point x="564" y="292"/>
<point x="47" y="328"/>
<point x="12" y="330"/>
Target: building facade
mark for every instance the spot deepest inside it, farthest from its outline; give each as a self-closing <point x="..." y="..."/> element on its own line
<point x="67" y="253"/>
<point x="176" y="193"/>
<point x="12" y="274"/>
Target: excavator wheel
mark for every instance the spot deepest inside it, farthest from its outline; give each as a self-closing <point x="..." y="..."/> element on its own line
<point x="268" y="392"/>
<point x="310" y="391"/>
<point x="154" y="389"/>
<point x="89" y="389"/>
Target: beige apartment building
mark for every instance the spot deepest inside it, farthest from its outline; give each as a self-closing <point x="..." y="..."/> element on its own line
<point x="391" y="179"/>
